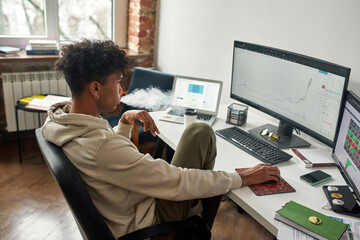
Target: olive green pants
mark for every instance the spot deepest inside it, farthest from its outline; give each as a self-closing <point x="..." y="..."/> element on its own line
<point x="196" y="149"/>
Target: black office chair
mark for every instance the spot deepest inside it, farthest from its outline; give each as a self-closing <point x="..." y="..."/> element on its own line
<point x="87" y="217"/>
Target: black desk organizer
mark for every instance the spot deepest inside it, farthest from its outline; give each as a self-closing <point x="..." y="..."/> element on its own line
<point x="350" y="206"/>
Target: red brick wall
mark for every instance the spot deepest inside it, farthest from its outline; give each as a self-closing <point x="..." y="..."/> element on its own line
<point x="141" y="29"/>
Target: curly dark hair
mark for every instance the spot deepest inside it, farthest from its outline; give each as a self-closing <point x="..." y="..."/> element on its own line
<point x="86" y="61"/>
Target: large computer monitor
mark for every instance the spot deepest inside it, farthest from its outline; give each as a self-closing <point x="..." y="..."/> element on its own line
<point x="302" y="92"/>
<point x="346" y="152"/>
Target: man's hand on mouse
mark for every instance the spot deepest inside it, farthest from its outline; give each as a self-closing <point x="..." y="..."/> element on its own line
<point x="260" y="173"/>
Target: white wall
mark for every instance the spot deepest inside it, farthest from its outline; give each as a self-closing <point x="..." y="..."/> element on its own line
<point x="195" y="37"/>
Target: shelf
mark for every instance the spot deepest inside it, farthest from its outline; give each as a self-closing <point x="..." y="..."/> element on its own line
<point x="23" y="57"/>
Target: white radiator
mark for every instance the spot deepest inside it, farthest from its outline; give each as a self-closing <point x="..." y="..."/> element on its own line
<point x="19" y="85"/>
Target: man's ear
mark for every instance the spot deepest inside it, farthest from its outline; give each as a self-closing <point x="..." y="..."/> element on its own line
<point x="94" y="88"/>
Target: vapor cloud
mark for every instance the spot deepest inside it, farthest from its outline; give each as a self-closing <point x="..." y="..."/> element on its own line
<point x="151" y="98"/>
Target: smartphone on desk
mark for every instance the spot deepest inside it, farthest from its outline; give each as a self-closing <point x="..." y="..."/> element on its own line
<point x="315" y="177"/>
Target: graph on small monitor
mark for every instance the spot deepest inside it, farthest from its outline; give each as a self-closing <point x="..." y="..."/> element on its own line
<point x="347" y="148"/>
<point x="351" y="159"/>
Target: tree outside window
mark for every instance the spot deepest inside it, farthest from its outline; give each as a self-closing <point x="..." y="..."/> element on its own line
<point x="74" y="20"/>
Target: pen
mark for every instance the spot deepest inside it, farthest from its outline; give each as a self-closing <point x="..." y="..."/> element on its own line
<point x="297" y="153"/>
<point x="139" y="122"/>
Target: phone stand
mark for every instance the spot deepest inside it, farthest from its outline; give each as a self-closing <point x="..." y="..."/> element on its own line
<point x="348" y="204"/>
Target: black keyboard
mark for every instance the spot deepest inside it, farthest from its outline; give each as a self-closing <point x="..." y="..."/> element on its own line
<point x="256" y="147"/>
<point x="176" y="112"/>
<point x="199" y="116"/>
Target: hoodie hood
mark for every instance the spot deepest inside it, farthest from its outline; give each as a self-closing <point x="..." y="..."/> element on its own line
<point x="61" y="126"/>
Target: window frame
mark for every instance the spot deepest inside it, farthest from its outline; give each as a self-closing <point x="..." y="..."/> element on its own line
<point x="119" y="26"/>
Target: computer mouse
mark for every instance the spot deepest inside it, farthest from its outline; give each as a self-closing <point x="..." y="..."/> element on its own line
<point x="269" y="182"/>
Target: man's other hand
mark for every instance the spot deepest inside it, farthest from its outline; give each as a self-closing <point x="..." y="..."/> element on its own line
<point x="260" y="173"/>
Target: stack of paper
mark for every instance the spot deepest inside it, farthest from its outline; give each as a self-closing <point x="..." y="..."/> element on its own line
<point x="286" y="232"/>
<point x="46" y="102"/>
<point x="43" y="44"/>
<point x="301" y="218"/>
<point x="27" y="100"/>
<point x="42" y="47"/>
<point x="8" y="51"/>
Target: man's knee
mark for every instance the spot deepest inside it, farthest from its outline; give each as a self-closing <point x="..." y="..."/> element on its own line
<point x="200" y="128"/>
<point x="200" y="131"/>
<point x="197" y="147"/>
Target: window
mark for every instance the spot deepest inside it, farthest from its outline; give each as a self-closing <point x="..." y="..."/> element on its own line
<point x="62" y="20"/>
<point x="22" y="18"/>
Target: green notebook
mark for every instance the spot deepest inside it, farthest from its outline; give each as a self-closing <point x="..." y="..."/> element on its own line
<point x="297" y="216"/>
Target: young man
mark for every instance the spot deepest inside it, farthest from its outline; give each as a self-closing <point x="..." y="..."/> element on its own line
<point x="132" y="190"/>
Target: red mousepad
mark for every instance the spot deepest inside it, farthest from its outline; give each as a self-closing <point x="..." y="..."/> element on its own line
<point x="280" y="186"/>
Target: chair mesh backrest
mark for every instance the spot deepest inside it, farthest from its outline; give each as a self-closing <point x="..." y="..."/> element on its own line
<point x="73" y="189"/>
<point x="143" y="78"/>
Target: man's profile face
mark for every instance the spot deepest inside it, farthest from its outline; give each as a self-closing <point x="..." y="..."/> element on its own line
<point x="110" y="94"/>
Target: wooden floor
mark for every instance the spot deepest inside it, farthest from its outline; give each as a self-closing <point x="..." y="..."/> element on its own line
<point x="32" y="207"/>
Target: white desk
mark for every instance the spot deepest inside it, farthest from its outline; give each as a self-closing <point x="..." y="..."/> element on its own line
<point x="229" y="157"/>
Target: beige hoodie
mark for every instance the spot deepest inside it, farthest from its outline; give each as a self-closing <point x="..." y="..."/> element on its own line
<point x="121" y="181"/>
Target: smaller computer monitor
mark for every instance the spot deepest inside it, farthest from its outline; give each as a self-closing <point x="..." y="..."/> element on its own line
<point x="346" y="152"/>
<point x="202" y="95"/>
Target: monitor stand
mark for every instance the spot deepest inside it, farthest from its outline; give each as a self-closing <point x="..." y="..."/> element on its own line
<point x="349" y="207"/>
<point x="285" y="132"/>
